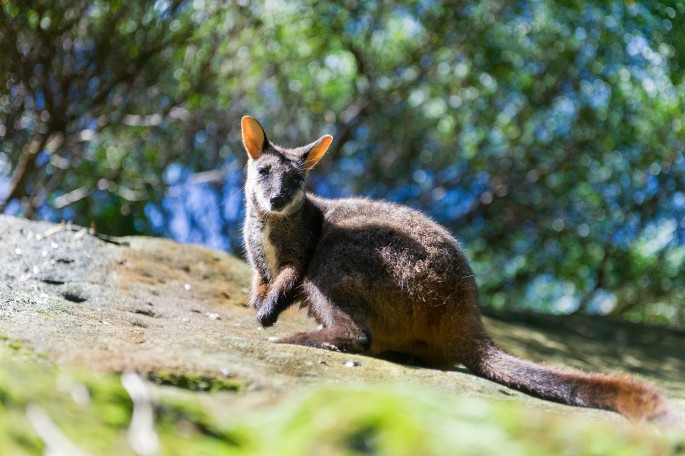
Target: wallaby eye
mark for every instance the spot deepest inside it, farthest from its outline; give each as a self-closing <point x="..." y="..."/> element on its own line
<point x="263" y="170"/>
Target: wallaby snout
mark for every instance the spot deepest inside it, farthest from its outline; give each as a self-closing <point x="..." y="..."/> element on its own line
<point x="283" y="193"/>
<point x="278" y="191"/>
<point x="278" y="202"/>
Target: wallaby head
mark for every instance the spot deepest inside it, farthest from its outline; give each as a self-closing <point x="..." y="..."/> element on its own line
<point x="276" y="176"/>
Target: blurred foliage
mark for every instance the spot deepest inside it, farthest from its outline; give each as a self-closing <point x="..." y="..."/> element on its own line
<point x="50" y="411"/>
<point x="547" y="136"/>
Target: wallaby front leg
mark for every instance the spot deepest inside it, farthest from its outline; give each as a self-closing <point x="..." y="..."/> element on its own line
<point x="281" y="295"/>
<point x="259" y="291"/>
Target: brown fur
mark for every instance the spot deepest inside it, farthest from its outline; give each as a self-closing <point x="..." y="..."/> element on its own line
<point x="385" y="279"/>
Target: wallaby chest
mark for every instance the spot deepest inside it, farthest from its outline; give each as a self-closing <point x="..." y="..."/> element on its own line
<point x="278" y="242"/>
<point x="270" y="252"/>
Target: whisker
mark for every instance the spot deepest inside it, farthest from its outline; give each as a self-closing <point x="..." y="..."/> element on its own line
<point x="230" y="198"/>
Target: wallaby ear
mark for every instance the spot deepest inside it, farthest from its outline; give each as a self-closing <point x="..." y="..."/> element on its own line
<point x="254" y="138"/>
<point x="315" y="150"/>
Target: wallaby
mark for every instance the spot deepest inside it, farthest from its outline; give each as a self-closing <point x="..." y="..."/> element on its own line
<point x="383" y="278"/>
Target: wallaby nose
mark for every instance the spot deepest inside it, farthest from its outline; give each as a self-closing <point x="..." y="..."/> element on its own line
<point x="278" y="202"/>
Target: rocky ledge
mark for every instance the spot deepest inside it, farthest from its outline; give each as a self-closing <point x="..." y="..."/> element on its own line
<point x="173" y="319"/>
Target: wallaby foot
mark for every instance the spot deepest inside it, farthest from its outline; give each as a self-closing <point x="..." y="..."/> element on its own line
<point x="335" y="339"/>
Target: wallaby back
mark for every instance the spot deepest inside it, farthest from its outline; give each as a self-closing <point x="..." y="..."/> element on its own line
<point x="385" y="279"/>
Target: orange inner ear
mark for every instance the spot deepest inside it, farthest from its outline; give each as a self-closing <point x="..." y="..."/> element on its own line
<point x="317" y="151"/>
<point x="253" y="136"/>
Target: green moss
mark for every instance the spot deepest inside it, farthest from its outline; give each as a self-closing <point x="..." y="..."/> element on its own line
<point x="99" y="424"/>
<point x="17" y="350"/>
<point x="387" y="421"/>
<point x="332" y="421"/>
<point x="22" y="385"/>
<point x="196" y="382"/>
<point x="178" y="417"/>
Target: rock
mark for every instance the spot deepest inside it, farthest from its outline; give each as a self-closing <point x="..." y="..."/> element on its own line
<point x="177" y="315"/>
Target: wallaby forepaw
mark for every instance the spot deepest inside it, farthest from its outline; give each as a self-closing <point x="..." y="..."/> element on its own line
<point x="266" y="316"/>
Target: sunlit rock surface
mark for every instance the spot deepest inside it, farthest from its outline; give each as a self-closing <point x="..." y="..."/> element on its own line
<point x="93" y="307"/>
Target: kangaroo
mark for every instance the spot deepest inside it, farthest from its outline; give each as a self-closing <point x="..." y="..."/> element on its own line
<point x="382" y="278"/>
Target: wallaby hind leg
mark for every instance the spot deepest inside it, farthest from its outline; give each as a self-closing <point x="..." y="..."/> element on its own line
<point x="342" y="332"/>
<point x="336" y="338"/>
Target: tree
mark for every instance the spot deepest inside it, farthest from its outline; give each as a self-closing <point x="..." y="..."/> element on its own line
<point x="71" y="70"/>
<point x="548" y="137"/>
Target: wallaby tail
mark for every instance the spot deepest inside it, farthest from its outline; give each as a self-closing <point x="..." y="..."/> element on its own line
<point x="619" y="393"/>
